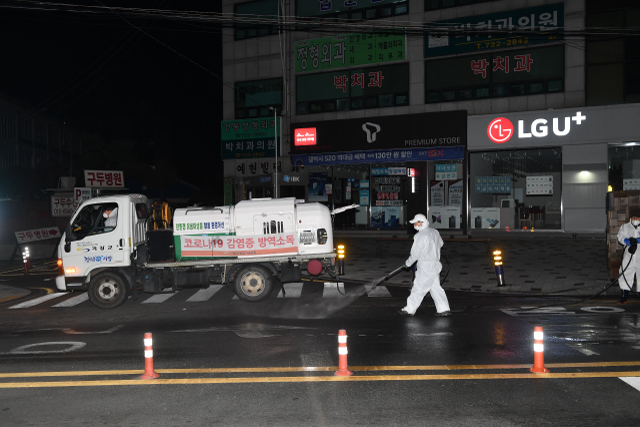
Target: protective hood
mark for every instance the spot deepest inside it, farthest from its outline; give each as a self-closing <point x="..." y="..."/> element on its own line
<point x="417" y="218"/>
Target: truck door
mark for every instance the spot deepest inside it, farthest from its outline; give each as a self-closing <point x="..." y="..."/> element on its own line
<point x="97" y="238"/>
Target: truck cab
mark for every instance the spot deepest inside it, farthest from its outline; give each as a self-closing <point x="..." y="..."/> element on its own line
<point x="100" y="238"/>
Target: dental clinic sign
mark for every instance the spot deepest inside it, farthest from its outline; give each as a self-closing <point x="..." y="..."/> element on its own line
<point x="553" y="127"/>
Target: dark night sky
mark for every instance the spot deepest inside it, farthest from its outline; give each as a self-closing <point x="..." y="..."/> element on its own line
<point x="100" y="74"/>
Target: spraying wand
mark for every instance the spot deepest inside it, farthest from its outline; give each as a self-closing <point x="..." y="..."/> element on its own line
<point x="387" y="277"/>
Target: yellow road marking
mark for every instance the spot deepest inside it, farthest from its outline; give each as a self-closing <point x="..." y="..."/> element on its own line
<point x="49" y="290"/>
<point x="317" y="369"/>
<point x="183" y="381"/>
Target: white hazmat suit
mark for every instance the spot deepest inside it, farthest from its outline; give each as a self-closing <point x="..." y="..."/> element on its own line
<point x="629" y="270"/>
<point x="426" y="251"/>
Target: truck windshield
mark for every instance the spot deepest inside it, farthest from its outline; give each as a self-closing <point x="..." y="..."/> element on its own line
<point x="94" y="219"/>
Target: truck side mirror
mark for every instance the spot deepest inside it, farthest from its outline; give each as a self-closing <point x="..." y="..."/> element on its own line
<point x="67" y="239"/>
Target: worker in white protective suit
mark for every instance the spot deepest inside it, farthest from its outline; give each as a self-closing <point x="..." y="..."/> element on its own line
<point x="629" y="235"/>
<point x="426" y="251"/>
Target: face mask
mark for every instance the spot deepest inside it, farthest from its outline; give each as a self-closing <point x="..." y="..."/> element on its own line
<point x="417" y="228"/>
<point x="636" y="223"/>
<point x="105" y="216"/>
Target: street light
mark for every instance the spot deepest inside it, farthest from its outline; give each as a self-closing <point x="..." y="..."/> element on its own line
<point x="275" y="133"/>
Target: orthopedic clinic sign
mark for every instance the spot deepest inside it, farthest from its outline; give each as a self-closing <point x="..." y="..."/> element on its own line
<point x="500" y="130"/>
<point x="553" y="127"/>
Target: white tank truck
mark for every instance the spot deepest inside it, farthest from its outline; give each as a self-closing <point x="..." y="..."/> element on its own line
<point x="247" y="247"/>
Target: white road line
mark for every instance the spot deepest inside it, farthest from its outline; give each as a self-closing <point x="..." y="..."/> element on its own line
<point x="38" y="300"/>
<point x="291" y="290"/>
<point x="632" y="381"/>
<point x="204" y="294"/>
<point x="333" y="290"/>
<point x="158" y="298"/>
<point x="378" y="292"/>
<point x="79" y="299"/>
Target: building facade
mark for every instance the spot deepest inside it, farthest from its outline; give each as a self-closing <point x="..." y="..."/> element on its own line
<point x="495" y="115"/>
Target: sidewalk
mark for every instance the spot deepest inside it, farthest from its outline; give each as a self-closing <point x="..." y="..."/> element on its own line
<point x="540" y="265"/>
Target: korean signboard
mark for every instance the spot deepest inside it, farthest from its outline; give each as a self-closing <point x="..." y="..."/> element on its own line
<point x="307" y="8"/>
<point x="539" y="185"/>
<point x="355" y="82"/>
<point x="103" y="179"/>
<point x="258" y="167"/>
<point x="348" y="50"/>
<point x="446" y="171"/>
<point x="249" y="138"/>
<point x="29" y="236"/>
<point x="225" y="246"/>
<point x="406" y="132"/>
<point x="556" y="127"/>
<point x="381" y="156"/>
<point x="545" y="63"/>
<point x="62" y="206"/>
<point x="542" y="21"/>
<point x="387" y="191"/>
<point x="493" y="184"/>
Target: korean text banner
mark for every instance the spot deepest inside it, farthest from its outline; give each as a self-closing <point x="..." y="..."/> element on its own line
<point x="381" y="156"/>
<point x="409" y="131"/>
<point x="542" y="21"/>
<point x="348" y="50"/>
<point x="249" y="138"/>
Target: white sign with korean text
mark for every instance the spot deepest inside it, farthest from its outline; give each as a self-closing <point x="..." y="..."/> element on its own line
<point x="29" y="236"/>
<point x="540" y="185"/>
<point x="62" y="206"/>
<point x="103" y="179"/>
<point x="80" y="194"/>
<point x="225" y="246"/>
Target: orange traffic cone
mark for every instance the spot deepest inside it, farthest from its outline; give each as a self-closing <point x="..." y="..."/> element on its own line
<point x="538" y="351"/>
<point x="343" y="370"/>
<point x="149" y="372"/>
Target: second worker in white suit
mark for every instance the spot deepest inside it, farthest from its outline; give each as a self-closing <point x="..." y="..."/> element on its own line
<point x="426" y="251"/>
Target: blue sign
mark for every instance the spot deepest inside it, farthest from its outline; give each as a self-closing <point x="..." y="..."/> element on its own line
<point x="381" y="156"/>
<point x="493" y="184"/>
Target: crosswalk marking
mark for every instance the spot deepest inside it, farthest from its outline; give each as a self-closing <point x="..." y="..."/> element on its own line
<point x="204" y="294"/>
<point x="79" y="299"/>
<point x="333" y="290"/>
<point x="159" y="298"/>
<point x="632" y="381"/>
<point x="291" y="290"/>
<point x="378" y="292"/>
<point x="39" y="300"/>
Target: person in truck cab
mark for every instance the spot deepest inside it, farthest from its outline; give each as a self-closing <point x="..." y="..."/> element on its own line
<point x="110" y="216"/>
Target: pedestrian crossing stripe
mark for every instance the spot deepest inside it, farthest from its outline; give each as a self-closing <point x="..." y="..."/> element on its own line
<point x="291" y="290"/>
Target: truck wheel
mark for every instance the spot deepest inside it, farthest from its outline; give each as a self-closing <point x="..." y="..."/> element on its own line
<point x="253" y="283"/>
<point x="108" y="290"/>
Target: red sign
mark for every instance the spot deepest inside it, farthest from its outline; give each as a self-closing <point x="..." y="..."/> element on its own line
<point x="305" y="136"/>
<point x="36" y="235"/>
<point x="500" y="130"/>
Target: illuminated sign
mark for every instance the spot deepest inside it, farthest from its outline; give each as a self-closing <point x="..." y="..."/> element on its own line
<point x="500" y="129"/>
<point x="305" y="136"/>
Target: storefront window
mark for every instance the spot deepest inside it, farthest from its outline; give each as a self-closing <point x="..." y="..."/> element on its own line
<point x="624" y="167"/>
<point x="516" y="190"/>
<point x="445" y="195"/>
